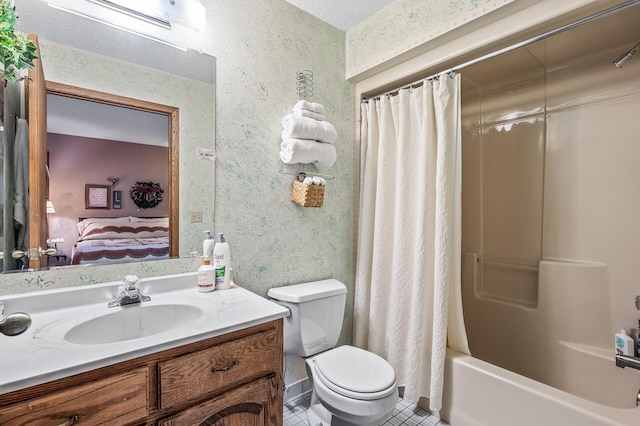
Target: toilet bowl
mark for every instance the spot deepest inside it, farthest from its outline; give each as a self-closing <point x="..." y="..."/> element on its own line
<point x="350" y="386"/>
<point x="354" y="385"/>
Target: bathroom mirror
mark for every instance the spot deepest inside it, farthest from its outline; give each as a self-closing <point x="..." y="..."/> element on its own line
<point x="81" y="53"/>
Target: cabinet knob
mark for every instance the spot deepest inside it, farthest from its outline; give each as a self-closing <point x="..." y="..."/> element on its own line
<point x="227" y="368"/>
<point x="70" y="421"/>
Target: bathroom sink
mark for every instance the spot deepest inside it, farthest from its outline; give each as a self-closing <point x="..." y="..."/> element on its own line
<point x="132" y="322"/>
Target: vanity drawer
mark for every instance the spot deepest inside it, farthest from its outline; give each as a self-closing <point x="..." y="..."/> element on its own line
<point x="218" y="368"/>
<point x="116" y="400"/>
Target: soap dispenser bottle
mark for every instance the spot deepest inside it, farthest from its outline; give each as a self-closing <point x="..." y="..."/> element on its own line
<point x="206" y="276"/>
<point x="207" y="244"/>
<point x="222" y="261"/>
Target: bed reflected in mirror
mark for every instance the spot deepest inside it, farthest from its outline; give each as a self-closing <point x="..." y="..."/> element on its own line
<point x="108" y="149"/>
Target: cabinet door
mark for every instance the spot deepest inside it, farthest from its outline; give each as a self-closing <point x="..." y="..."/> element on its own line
<point x="253" y="404"/>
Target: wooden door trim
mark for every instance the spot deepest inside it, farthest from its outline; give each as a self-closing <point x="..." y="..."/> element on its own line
<point x="37" y="117"/>
<point x="173" y="136"/>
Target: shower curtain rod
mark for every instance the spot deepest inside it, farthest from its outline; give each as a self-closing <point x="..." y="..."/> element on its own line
<point x="495" y="53"/>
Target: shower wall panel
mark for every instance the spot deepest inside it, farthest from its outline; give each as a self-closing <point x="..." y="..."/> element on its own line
<point x="551" y="206"/>
<point x="592" y="198"/>
<point x="503" y="166"/>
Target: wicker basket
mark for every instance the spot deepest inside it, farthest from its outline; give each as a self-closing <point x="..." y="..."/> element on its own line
<point x="307" y="195"/>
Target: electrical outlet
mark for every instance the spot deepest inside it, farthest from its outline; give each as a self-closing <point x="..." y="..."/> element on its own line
<point x="196" y="217"/>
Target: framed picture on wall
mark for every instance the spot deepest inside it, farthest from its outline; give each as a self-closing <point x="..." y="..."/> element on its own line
<point x="117" y="199"/>
<point x="97" y="196"/>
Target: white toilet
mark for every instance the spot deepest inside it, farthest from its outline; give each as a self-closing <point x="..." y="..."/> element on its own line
<point x="350" y="386"/>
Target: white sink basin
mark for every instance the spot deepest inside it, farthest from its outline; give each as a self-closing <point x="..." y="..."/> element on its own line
<point x="73" y="330"/>
<point x="132" y="322"/>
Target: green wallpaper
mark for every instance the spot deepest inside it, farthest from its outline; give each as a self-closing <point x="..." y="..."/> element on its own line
<point x="406" y="24"/>
<point x="273" y="241"/>
<point x="259" y="45"/>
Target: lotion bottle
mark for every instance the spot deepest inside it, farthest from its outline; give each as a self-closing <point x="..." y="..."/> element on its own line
<point x="206" y="276"/>
<point x="207" y="244"/>
<point x="624" y="343"/>
<point x="221" y="262"/>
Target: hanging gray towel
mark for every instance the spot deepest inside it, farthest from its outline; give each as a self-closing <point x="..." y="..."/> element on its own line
<point x="21" y="190"/>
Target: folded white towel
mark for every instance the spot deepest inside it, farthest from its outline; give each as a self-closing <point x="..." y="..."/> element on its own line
<point x="309" y="106"/>
<point x="304" y="151"/>
<point x="317" y="180"/>
<point x="309" y="114"/>
<point x="308" y="128"/>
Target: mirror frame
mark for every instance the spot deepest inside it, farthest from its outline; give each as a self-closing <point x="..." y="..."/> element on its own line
<point x="173" y="137"/>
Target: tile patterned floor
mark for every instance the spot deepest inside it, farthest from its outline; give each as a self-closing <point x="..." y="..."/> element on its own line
<point x="405" y="413"/>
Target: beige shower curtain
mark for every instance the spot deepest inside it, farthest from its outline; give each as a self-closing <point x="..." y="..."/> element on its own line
<point x="408" y="268"/>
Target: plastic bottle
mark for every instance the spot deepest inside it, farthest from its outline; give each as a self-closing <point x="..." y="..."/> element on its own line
<point x="207" y="244"/>
<point x="221" y="262"/>
<point x="624" y="343"/>
<point x="638" y="340"/>
<point x="206" y="276"/>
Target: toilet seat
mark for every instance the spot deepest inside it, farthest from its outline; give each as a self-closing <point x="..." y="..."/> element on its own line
<point x="355" y="373"/>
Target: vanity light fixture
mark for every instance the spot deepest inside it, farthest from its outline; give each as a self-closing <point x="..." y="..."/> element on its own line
<point x="177" y="23"/>
<point x="134" y="12"/>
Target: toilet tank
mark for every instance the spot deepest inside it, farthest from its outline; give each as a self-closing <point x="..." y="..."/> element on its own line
<point x="317" y="310"/>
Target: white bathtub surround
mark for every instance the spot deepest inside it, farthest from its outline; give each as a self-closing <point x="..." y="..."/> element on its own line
<point x="408" y="268"/>
<point x="481" y="394"/>
<point x="55" y="312"/>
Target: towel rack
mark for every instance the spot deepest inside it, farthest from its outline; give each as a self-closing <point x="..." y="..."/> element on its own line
<point x="298" y="172"/>
<point x="304" y="88"/>
<point x="304" y="84"/>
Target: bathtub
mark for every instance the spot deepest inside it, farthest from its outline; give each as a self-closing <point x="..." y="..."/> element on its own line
<point x="538" y="367"/>
<point x="478" y="393"/>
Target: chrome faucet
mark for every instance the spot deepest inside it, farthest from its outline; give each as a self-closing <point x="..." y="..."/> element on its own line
<point x="129" y="293"/>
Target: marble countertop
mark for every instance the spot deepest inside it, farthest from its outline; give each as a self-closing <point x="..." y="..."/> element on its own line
<point x="42" y="354"/>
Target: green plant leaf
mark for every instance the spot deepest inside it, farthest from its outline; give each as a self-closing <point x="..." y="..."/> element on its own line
<point x="16" y="50"/>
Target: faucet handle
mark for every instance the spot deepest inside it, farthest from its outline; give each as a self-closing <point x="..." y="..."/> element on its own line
<point x="131" y="281"/>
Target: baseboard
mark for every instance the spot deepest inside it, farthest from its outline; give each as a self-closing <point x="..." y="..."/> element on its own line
<point x="297" y="389"/>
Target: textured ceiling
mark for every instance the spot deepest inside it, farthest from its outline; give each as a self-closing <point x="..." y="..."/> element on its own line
<point x="342" y="14"/>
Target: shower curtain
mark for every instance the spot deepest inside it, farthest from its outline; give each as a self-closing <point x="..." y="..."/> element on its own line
<point x="408" y="295"/>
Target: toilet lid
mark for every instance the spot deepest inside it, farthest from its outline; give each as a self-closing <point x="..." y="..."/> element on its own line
<point x="355" y="370"/>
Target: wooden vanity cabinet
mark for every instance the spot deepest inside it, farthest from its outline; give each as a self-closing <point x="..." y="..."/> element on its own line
<point x="247" y="406"/>
<point x="233" y="379"/>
